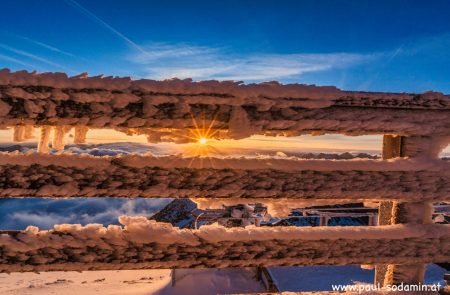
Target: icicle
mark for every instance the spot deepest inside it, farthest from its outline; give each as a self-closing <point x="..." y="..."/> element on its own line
<point x="67" y="129"/>
<point x="58" y="138"/>
<point x="80" y="134"/>
<point x="239" y="125"/>
<point x="44" y="139"/>
<point x="29" y="131"/>
<point x="19" y="133"/>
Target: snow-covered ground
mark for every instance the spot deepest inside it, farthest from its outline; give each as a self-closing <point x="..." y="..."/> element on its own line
<point x="89" y="282"/>
<point x="190" y="282"/>
<point x="133" y="282"/>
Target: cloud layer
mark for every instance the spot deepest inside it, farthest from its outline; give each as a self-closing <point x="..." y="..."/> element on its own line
<point x="163" y="61"/>
<point x="44" y="213"/>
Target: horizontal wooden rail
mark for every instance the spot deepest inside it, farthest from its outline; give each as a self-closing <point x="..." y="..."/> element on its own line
<point x="149" y="244"/>
<point x="242" y="110"/>
<point x="69" y="175"/>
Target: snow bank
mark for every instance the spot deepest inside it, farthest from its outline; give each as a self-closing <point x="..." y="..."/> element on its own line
<point x="143" y="243"/>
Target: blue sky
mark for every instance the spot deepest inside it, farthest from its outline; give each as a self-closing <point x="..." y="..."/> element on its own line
<point x="401" y="46"/>
<point x="355" y="45"/>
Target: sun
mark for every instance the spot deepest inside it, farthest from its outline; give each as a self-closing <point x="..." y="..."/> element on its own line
<point x="202" y="140"/>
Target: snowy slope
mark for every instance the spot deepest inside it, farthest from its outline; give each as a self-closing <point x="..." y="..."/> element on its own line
<point x="132" y="282"/>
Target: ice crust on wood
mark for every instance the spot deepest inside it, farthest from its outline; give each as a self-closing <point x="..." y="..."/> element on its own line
<point x="70" y="175"/>
<point x="239" y="110"/>
<point x="80" y="134"/>
<point x="143" y="243"/>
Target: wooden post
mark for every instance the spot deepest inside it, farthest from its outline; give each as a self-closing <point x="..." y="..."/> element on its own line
<point x="397" y="213"/>
<point x="392" y="146"/>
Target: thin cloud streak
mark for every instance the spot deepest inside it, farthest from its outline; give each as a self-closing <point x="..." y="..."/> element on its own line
<point x="164" y="61"/>
<point x="95" y="18"/>
<point x="383" y="65"/>
<point x="157" y="51"/>
<point x="417" y="48"/>
<point x="46" y="46"/>
<point x="32" y="56"/>
<point x="14" y="60"/>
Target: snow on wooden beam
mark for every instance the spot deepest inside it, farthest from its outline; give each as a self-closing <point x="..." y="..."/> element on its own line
<point x="71" y="175"/>
<point x="238" y="109"/>
<point x="142" y="243"/>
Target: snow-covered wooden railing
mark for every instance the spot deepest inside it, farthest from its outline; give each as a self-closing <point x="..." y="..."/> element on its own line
<point x="152" y="107"/>
<point x="415" y="128"/>
<point x="37" y="175"/>
<point x="141" y="243"/>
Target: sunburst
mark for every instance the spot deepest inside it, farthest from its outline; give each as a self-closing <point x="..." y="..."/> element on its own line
<point x="202" y="140"/>
<point x="202" y="137"/>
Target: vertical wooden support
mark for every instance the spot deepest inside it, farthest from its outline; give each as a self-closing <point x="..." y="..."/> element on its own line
<point x="397" y="213"/>
<point x="410" y="274"/>
<point x="392" y="146"/>
<point x="385" y="213"/>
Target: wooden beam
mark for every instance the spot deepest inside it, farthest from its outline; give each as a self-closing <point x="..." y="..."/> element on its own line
<point x="274" y="109"/>
<point x="113" y="179"/>
<point x="139" y="247"/>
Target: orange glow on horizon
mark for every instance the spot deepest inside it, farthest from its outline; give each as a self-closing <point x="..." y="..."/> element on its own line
<point x="201" y="140"/>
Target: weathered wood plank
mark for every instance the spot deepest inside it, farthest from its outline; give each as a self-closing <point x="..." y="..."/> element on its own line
<point x="147" y="244"/>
